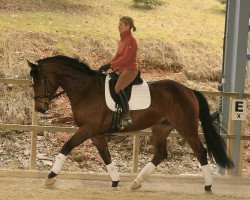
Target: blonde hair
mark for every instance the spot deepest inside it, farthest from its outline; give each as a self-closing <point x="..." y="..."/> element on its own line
<point x="129" y="22"/>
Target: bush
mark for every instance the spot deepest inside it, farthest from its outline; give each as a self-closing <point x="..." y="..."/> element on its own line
<point x="223" y="1"/>
<point x="147" y="3"/>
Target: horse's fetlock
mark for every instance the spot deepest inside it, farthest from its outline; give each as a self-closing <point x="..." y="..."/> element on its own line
<point x="52" y="175"/>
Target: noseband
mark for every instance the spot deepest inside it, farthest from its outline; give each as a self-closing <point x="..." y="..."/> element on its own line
<point x="46" y="83"/>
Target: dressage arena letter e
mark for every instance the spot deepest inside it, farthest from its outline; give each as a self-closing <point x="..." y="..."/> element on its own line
<point x="239" y="107"/>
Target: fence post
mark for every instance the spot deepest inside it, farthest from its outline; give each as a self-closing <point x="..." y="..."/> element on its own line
<point x="33" y="144"/>
<point x="230" y="129"/>
<point x="230" y="143"/>
<point x="241" y="153"/>
<point x="136" y="148"/>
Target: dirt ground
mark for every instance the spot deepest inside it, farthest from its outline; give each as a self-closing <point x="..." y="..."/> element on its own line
<point x="177" y="188"/>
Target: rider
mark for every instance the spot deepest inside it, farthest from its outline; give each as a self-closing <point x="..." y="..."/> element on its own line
<point x="124" y="64"/>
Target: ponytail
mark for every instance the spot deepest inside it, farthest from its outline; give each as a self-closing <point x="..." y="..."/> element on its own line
<point x="133" y="28"/>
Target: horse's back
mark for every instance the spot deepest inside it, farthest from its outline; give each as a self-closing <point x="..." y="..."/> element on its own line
<point x="173" y="87"/>
<point x="175" y="98"/>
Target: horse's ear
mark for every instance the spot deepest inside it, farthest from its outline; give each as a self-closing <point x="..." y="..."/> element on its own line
<point x="31" y="65"/>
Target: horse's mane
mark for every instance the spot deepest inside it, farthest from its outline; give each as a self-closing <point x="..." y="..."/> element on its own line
<point x="74" y="63"/>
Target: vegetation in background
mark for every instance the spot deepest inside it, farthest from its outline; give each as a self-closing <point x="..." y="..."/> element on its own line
<point x="148" y="4"/>
<point x="223" y="1"/>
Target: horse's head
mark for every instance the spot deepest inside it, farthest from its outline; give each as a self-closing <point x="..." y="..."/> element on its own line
<point x="44" y="87"/>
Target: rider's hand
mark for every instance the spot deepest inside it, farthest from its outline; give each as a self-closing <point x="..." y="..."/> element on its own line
<point x="107" y="72"/>
<point x="104" y="68"/>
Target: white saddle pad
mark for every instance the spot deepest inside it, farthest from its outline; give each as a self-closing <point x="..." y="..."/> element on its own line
<point x="140" y="96"/>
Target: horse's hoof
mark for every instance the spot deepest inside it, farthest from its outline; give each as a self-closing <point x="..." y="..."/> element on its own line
<point x="207" y="189"/>
<point x="50" y="181"/>
<point x="135" y="184"/>
<point x="115" y="184"/>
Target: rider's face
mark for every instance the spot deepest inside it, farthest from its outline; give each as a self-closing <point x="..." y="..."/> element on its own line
<point x="122" y="27"/>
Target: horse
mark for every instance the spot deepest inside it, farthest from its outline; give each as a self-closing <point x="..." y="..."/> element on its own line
<point x="173" y="106"/>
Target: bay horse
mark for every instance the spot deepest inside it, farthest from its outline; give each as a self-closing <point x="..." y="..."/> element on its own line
<point x="173" y="106"/>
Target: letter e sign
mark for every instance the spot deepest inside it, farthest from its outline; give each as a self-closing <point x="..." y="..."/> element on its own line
<point x="239" y="109"/>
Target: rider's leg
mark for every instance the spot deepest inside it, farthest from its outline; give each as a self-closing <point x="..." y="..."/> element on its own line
<point x="125" y="78"/>
<point x="123" y="103"/>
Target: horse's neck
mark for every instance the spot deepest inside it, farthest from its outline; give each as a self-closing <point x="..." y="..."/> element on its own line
<point x="77" y="86"/>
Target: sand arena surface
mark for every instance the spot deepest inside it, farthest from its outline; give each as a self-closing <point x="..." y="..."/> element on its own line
<point x="177" y="188"/>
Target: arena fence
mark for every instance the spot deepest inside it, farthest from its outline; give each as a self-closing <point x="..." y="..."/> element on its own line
<point x="35" y="128"/>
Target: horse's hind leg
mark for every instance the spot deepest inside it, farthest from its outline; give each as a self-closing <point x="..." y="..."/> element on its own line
<point x="79" y="137"/>
<point x="102" y="147"/>
<point x="160" y="132"/>
<point x="200" y="153"/>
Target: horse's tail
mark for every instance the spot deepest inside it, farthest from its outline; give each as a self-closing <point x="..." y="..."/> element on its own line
<point x="215" y="143"/>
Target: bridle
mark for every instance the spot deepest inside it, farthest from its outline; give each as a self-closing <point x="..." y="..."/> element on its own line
<point x="47" y="93"/>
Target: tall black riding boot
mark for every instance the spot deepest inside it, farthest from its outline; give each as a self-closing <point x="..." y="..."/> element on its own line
<point x="123" y="103"/>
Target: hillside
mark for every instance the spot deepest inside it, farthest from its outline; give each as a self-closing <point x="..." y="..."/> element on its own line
<point x="179" y="36"/>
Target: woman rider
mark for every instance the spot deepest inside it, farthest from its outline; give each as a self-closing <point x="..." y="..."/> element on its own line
<point x="124" y="64"/>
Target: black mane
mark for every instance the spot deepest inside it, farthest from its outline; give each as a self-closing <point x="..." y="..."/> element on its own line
<point x="74" y="63"/>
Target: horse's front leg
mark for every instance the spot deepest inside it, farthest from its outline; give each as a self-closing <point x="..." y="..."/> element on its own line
<point x="79" y="137"/>
<point x="160" y="132"/>
<point x="102" y="146"/>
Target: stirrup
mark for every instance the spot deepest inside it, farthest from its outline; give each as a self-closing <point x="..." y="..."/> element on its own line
<point x="125" y="122"/>
<point x="127" y="118"/>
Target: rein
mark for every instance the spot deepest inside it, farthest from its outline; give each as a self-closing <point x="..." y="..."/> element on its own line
<point x="99" y="78"/>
